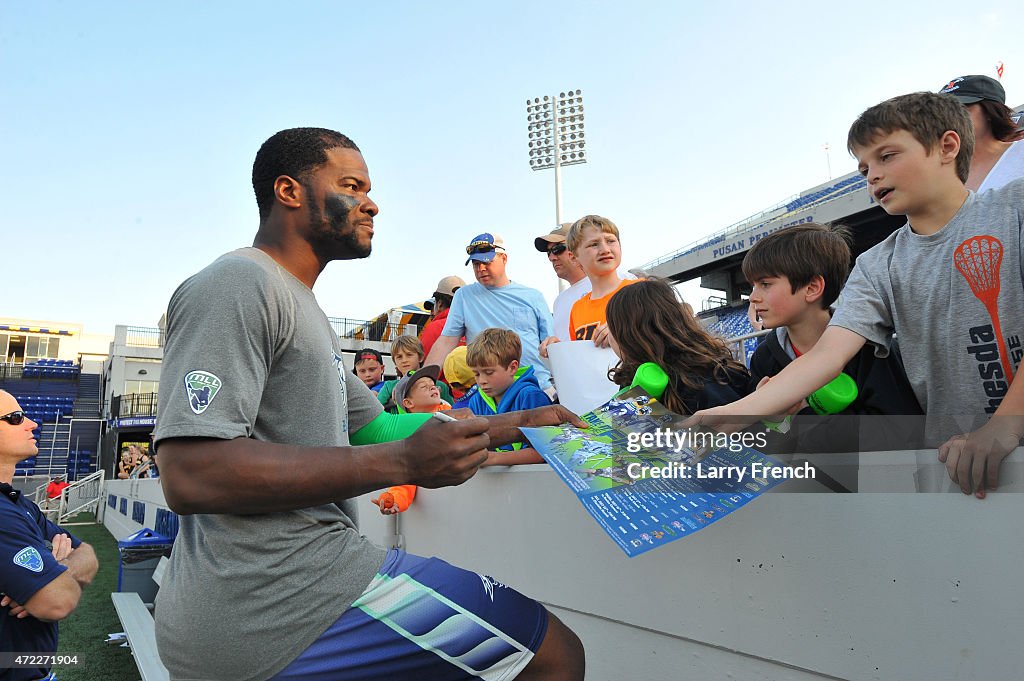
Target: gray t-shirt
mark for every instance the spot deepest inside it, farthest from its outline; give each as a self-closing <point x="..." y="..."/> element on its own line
<point x="249" y="353"/>
<point x="949" y="297"/>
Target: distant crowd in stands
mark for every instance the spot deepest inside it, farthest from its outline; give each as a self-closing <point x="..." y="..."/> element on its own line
<point x="796" y="276"/>
<point x="138" y="460"/>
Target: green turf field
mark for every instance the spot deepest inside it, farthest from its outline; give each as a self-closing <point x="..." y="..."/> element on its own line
<point x="87" y="627"/>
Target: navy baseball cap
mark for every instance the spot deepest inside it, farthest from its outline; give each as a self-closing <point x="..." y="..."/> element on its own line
<point x="973" y="89"/>
<point x="483" y="247"/>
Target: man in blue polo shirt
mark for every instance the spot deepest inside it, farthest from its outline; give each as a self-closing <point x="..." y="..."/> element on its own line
<point x="496" y="301"/>
<point x="42" y="567"/>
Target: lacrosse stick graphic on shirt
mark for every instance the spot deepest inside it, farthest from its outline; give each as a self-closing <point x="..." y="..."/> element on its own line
<point x="978" y="259"/>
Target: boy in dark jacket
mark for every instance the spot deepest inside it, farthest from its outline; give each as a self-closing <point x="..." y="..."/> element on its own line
<point x="796" y="274"/>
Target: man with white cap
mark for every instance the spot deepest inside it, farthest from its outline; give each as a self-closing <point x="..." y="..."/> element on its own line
<point x="495" y="301"/>
<point x="566" y="268"/>
<point x="439" y="303"/>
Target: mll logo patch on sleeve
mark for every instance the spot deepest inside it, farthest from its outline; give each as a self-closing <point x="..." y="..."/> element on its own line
<point x="201" y="387"/>
<point x="29" y="559"/>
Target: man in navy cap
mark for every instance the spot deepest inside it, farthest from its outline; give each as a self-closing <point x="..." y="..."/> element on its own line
<point x="496" y="302"/>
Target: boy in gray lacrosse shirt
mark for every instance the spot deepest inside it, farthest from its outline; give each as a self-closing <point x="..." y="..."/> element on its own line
<point x="948" y="284"/>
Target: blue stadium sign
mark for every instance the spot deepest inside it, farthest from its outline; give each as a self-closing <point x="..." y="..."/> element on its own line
<point x="136" y="421"/>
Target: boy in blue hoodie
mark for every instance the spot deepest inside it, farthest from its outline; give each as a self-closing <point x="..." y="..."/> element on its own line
<point x="503" y="385"/>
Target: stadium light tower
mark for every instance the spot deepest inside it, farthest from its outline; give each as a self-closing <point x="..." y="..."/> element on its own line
<point x="555" y="126"/>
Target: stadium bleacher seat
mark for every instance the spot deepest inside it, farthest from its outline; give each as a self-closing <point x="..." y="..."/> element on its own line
<point x="732" y="323"/>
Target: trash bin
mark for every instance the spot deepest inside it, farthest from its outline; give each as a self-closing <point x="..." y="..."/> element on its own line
<point x="140" y="554"/>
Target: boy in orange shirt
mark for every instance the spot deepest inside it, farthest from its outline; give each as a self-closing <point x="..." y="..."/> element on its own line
<point x="594" y="243"/>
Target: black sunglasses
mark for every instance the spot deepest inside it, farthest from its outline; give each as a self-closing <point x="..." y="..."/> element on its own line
<point x="558" y="249"/>
<point x="483" y="247"/>
<point x="14" y="418"/>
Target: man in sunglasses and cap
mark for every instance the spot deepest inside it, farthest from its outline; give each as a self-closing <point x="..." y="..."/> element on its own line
<point x="566" y="268"/>
<point x="495" y="301"/>
<point x="42" y="567"/>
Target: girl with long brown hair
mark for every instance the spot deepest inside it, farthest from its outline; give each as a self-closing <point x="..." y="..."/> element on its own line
<point x="649" y="323"/>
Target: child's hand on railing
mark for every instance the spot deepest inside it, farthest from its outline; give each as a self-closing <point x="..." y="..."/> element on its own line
<point x="972" y="460"/>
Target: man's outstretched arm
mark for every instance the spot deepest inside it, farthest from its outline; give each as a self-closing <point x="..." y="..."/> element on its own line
<point x="807" y="373"/>
<point x="242" y="475"/>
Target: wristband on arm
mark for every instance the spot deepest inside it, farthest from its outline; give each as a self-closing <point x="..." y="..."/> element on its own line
<point x="388" y="428"/>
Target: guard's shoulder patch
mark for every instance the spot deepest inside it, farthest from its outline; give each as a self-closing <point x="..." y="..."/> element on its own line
<point x="29" y="559"/>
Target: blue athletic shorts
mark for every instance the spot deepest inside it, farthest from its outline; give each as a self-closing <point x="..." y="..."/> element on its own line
<point x="423" y="618"/>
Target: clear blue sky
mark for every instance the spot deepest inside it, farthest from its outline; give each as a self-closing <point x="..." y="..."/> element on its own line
<point x="128" y="129"/>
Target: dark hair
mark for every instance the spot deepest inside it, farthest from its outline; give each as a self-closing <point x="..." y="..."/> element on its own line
<point x="651" y="324"/>
<point x="801" y="253"/>
<point x="925" y="115"/>
<point x="294" y="153"/>
<point x="999" y="122"/>
<point x="442" y="301"/>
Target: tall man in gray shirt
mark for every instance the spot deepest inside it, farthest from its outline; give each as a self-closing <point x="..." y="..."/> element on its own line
<point x="270" y="577"/>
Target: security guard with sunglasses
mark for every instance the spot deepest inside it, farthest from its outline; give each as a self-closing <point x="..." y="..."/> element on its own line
<point x="567" y="269"/>
<point x="42" y="568"/>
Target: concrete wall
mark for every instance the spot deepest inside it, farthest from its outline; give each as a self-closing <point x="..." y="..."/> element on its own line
<point x="147" y="491"/>
<point x="894" y="585"/>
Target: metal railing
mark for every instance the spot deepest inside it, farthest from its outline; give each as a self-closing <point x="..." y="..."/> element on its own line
<point x="78" y="497"/>
<point x="379" y="329"/>
<point x="736" y="344"/>
<point x="11" y="370"/>
<point x="135" y="404"/>
<point x="840" y="185"/>
<point x="143" y="337"/>
<point x="722" y="234"/>
<point x="713" y="303"/>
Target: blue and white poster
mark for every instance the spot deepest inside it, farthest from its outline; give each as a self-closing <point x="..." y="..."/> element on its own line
<point x="649" y="481"/>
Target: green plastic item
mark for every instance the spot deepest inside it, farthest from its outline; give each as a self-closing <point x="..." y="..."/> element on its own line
<point x="831" y="398"/>
<point x="652" y="378"/>
<point x="834" y="396"/>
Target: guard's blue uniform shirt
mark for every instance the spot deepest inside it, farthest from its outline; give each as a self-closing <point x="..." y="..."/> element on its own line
<point x="26" y="566"/>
